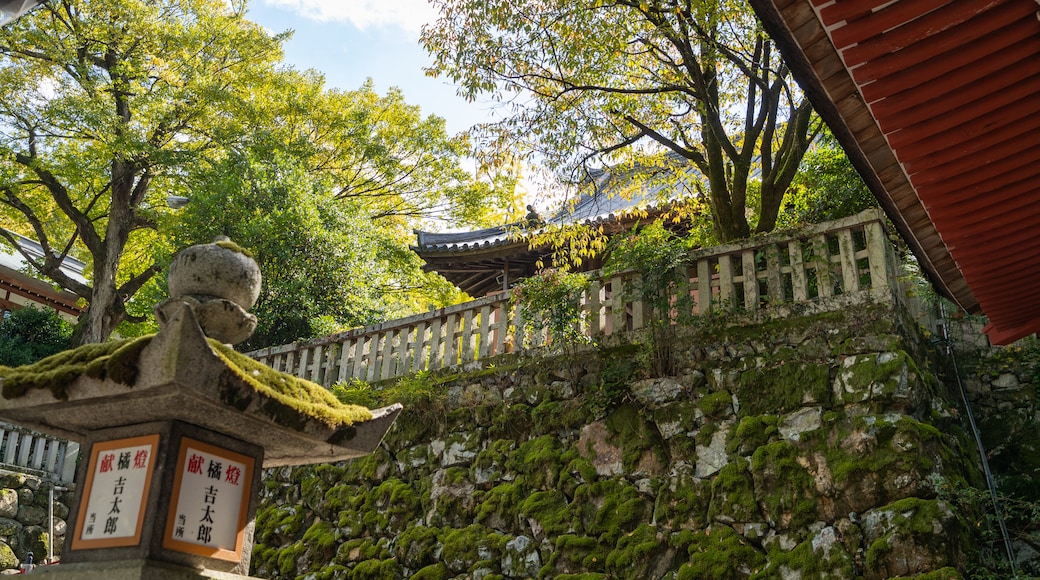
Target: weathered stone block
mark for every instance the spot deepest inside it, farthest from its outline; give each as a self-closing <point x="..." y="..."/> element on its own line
<point x="10" y="528"/>
<point x="8" y="503"/>
<point x="712" y="457"/>
<point x="31" y="515"/>
<point x="656" y="392"/>
<point x="12" y="480"/>
<point x="911" y="536"/>
<point x="33" y="539"/>
<point x="8" y="559"/>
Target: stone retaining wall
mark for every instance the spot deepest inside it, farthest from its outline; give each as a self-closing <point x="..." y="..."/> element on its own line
<point x="809" y="447"/>
<point x="24" y="525"/>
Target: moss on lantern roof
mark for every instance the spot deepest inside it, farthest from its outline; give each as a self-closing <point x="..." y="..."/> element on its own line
<point x="117" y="361"/>
<point x="298" y="394"/>
<point x="229" y="245"/>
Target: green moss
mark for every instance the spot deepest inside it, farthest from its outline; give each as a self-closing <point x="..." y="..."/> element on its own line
<point x="716" y="405"/>
<point x="463" y="547"/>
<point x="719" y="552"/>
<point x="917" y="524"/>
<point x="229" y="245"/>
<point x="554" y="416"/>
<point x="375" y="570"/>
<point x="635" y="552"/>
<point x="868" y="377"/>
<point x="502" y="501"/>
<point x="416" y="545"/>
<point x="810" y="563"/>
<point x="784" y="489"/>
<point x="550" y="510"/>
<point x="388" y="507"/>
<point x="312" y="491"/>
<point x="575" y="552"/>
<point x="539" y="461"/>
<point x="7" y="558"/>
<point x="359" y="549"/>
<point x="432" y="572"/>
<point x="320" y="540"/>
<point x="636" y="436"/>
<point x="303" y="396"/>
<point x="733" y="494"/>
<point x="512" y="421"/>
<point x="781" y="387"/>
<point x="116" y="360"/>
<point x="289" y="558"/>
<point x="751" y="433"/>
<point x="278" y="525"/>
<point x="609" y="508"/>
<point x="878" y="551"/>
<point x="907" y="446"/>
<point x="683" y="503"/>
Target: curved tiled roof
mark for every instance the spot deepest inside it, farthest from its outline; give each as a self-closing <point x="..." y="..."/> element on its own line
<point x="490" y="259"/>
<point x="604" y="203"/>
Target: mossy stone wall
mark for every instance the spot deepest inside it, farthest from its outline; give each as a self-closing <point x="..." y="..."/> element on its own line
<point x="798" y="448"/>
<point x="24" y="525"/>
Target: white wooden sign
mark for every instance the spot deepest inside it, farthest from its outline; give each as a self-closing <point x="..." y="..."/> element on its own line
<point x="208" y="514"/>
<point x="119" y="476"/>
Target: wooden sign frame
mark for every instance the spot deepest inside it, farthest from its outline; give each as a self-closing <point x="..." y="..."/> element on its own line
<point x="170" y="541"/>
<point x="78" y="543"/>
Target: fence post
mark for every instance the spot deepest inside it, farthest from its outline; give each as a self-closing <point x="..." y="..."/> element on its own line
<point x="68" y="462"/>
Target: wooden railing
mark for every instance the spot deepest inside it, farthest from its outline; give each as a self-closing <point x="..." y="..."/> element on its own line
<point x="823" y="267"/>
<point x="27" y="451"/>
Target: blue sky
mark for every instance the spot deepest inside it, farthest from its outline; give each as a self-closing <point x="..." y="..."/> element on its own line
<point x="351" y="40"/>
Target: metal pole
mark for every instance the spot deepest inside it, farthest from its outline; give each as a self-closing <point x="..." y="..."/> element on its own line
<point x="50" y="519"/>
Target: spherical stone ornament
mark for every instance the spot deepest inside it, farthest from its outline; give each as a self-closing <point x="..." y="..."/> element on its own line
<point x="220" y="269"/>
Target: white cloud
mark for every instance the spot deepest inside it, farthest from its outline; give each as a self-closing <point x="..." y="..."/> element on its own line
<point x="408" y="15"/>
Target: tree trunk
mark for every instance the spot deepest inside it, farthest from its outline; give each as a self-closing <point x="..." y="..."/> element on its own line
<point x="105" y="311"/>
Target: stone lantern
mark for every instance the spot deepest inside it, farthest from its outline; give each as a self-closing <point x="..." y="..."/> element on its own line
<point x="176" y="428"/>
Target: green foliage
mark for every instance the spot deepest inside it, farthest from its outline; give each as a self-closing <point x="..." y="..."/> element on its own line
<point x="571" y="245"/>
<point x="420" y="390"/>
<point x="657" y="254"/>
<point x="331" y="235"/>
<point x="550" y="303"/>
<point x="30" y="334"/>
<point x="827" y="187"/>
<point x="660" y="260"/>
<point x="116" y="105"/>
<point x="1020" y="512"/>
<point x="108" y="106"/>
<point x="594" y="96"/>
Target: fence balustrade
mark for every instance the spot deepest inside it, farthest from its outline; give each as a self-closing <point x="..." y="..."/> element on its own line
<point x="37" y="454"/>
<point x="826" y="266"/>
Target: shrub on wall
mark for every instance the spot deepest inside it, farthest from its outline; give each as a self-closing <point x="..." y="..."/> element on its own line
<point x="550" y="301"/>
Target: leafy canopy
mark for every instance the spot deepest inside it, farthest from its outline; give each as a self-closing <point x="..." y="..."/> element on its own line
<point x="627" y="81"/>
<point x="110" y="107"/>
<point x="106" y="106"/>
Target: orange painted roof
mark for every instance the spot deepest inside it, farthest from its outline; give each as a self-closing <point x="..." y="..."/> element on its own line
<point x="937" y="103"/>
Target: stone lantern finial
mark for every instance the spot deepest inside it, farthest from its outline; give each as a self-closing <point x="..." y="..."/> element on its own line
<point x="220" y="281"/>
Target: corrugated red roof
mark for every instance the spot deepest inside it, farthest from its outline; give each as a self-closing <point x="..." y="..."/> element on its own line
<point x="938" y="104"/>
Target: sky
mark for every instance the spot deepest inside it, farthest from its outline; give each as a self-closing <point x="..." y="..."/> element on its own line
<point x="352" y="40"/>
